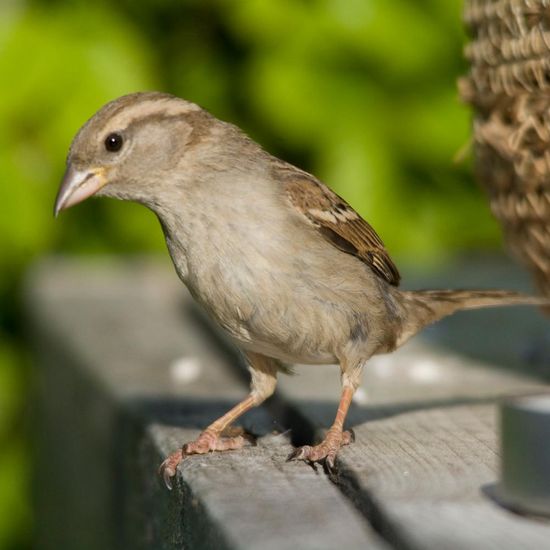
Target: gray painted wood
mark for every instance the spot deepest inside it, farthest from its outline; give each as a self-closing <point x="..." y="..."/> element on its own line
<point x="426" y="423"/>
<point x="425" y="420"/>
<point x="126" y="375"/>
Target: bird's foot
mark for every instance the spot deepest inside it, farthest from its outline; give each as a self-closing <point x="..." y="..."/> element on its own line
<point x="326" y="451"/>
<point x="208" y="441"/>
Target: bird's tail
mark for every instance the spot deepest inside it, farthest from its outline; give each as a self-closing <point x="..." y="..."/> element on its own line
<point x="423" y="307"/>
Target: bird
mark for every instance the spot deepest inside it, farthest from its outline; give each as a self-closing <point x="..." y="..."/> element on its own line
<point x="286" y="267"/>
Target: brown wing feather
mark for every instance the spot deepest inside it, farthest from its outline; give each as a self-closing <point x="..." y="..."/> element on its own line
<point x="337" y="221"/>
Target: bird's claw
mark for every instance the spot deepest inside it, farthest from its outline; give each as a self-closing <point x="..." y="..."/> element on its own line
<point x="300" y="453"/>
<point x="329" y="462"/>
<point x="325" y="452"/>
<point x="206" y="442"/>
<point x="167" y="470"/>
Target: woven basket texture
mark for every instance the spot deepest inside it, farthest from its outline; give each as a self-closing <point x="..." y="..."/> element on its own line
<point x="509" y="87"/>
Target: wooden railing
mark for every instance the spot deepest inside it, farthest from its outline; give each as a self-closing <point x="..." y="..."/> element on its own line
<point x="128" y="369"/>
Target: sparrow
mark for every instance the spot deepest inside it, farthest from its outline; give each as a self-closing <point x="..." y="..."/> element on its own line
<point x="286" y="267"/>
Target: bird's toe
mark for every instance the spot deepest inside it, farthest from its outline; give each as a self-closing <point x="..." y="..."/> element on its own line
<point x="300" y="453"/>
<point x="207" y="442"/>
<point x="168" y="468"/>
<point x="326" y="452"/>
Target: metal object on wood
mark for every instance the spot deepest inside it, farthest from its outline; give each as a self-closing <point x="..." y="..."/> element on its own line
<point x="525" y="455"/>
<point x="509" y="87"/>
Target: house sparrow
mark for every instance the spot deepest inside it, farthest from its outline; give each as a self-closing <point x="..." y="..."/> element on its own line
<point x="283" y="264"/>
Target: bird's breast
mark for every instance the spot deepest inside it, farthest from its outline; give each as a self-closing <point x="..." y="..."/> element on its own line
<point x="271" y="308"/>
<point x="272" y="291"/>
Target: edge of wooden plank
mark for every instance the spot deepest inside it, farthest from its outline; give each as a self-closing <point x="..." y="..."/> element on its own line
<point x="113" y="332"/>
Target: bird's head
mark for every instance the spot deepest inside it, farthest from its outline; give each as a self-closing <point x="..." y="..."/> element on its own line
<point x="126" y="147"/>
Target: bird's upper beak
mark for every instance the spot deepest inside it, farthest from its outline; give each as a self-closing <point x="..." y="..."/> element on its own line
<point x="78" y="185"/>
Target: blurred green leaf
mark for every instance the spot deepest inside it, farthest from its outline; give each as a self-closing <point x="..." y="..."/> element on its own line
<point x="68" y="74"/>
<point x="361" y="93"/>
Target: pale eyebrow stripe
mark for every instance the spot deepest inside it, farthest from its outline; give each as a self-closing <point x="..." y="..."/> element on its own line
<point x="154" y="107"/>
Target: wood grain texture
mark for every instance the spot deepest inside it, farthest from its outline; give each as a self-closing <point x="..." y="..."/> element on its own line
<point x="426" y="446"/>
<point x="127" y="375"/>
<point x="117" y="344"/>
<point x="426" y="470"/>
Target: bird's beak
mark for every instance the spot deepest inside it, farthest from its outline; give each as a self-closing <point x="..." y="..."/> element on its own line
<point x="78" y="185"/>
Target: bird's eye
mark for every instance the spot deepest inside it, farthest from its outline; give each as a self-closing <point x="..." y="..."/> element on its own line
<point x="113" y="142"/>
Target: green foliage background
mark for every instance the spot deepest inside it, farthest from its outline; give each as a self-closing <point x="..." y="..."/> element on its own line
<point x="360" y="92"/>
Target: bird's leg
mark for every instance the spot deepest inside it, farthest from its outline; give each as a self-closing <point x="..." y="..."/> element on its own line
<point x="336" y="436"/>
<point x="264" y="378"/>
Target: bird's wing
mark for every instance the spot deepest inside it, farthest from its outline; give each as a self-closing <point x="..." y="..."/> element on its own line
<point x="337" y="221"/>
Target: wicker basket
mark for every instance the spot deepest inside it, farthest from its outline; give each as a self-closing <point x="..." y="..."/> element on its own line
<point x="509" y="87"/>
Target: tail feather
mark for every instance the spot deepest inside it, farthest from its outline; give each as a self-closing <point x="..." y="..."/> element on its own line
<point x="424" y="307"/>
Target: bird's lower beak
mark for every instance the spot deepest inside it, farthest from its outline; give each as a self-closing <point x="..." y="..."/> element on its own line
<point x="78" y="185"/>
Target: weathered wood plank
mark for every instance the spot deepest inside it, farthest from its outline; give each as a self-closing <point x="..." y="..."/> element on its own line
<point x="126" y="376"/>
<point x="425" y="422"/>
<point x="426" y="471"/>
